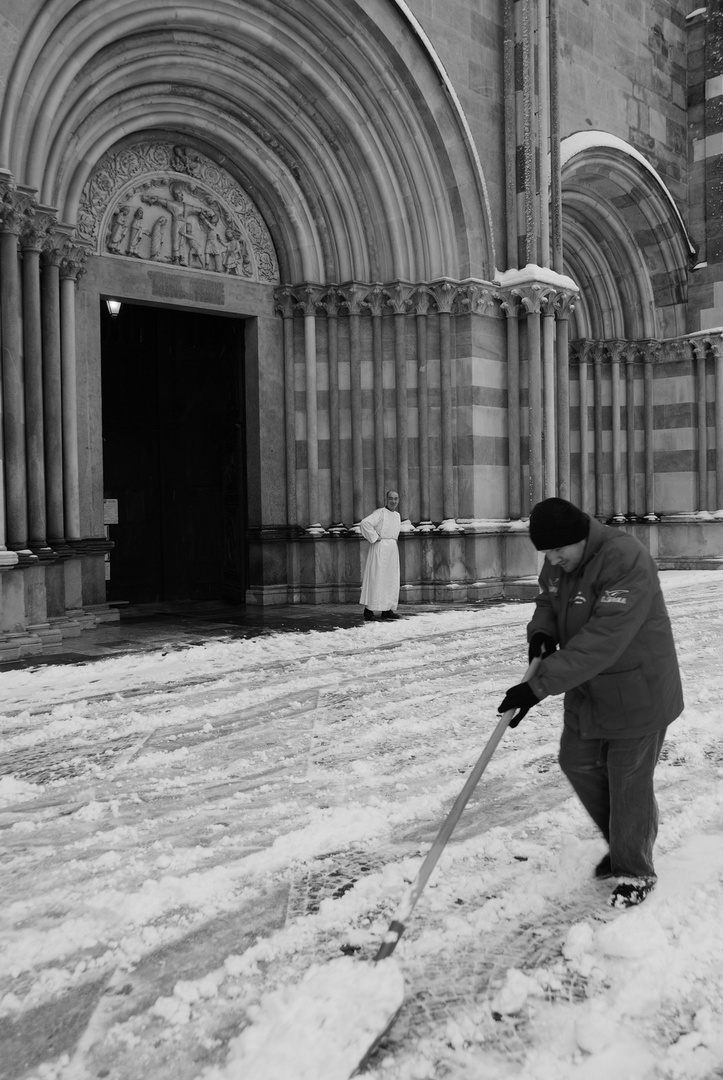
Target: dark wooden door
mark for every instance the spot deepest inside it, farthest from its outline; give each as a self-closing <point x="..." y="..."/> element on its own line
<point x="173" y="454"/>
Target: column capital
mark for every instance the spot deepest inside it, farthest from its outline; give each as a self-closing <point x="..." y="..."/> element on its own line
<point x="375" y="299"/>
<point x="616" y="348"/>
<point x="284" y="301"/>
<point x="36" y="230"/>
<point x="17" y="208"/>
<point x="581" y="349"/>
<point x="309" y="297"/>
<point x="72" y="261"/>
<point x="353" y="294"/>
<point x="398" y="296"/>
<point x="421" y="299"/>
<point x="476" y="297"/>
<point x="565" y="301"/>
<point x="445" y="293"/>
<point x="332" y="301"/>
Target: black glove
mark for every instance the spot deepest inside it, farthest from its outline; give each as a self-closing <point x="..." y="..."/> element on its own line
<point x="520" y="697"/>
<point x="541" y="644"/>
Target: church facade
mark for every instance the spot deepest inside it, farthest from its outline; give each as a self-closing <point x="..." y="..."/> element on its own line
<point x="262" y="260"/>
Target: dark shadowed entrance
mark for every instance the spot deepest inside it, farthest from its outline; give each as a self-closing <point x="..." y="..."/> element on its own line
<point x="173" y="454"/>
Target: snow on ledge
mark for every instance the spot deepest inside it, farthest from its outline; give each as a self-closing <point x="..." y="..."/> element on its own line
<point x="534" y="275"/>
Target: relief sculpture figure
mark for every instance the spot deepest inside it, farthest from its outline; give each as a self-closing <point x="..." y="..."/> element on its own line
<point x="136" y="232"/>
<point x="156" y="235"/>
<point x="213" y="248"/>
<point x="119" y="228"/>
<point x="176" y="207"/>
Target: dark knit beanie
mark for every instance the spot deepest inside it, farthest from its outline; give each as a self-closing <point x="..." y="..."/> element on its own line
<point x="555" y="523"/>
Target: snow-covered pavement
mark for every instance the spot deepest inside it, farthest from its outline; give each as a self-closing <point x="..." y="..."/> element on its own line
<point x="184" y="832"/>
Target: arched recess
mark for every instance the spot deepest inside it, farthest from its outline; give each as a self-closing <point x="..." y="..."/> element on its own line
<point x="625" y="243"/>
<point x="331" y="114"/>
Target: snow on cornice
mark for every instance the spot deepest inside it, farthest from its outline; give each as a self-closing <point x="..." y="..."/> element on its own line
<point x="534" y="275"/>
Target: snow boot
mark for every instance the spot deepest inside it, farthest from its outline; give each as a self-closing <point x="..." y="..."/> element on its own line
<point x="631" y="891"/>
<point x="604" y="868"/>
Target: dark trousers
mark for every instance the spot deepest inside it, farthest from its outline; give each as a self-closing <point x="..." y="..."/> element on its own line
<point x="613" y="778"/>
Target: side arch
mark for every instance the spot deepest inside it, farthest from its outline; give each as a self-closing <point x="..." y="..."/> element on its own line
<point x="625" y="242"/>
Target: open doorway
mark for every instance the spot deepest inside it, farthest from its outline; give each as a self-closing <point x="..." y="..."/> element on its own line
<point x="174" y="454"/>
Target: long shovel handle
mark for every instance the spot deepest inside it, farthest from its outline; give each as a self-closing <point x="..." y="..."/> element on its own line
<point x="410" y="898"/>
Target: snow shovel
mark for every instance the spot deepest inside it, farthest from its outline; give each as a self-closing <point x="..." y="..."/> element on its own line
<point x="329" y="1024"/>
<point x="401" y="916"/>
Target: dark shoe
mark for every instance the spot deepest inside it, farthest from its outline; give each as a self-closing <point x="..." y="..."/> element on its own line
<point x="631" y="891"/>
<point x="369" y="615"/>
<point x="390" y="615"/>
<point x="604" y="868"/>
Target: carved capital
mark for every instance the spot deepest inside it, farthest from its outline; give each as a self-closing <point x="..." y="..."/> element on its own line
<point x="476" y="297"/>
<point x="72" y="260"/>
<point x="445" y="293"/>
<point x="353" y="294"/>
<point x="309" y="297"/>
<point x="36" y="229"/>
<point x="565" y="303"/>
<point x="398" y="296"/>
<point x="421" y="299"/>
<point x="581" y="350"/>
<point x="284" y="301"/>
<point x="16" y="209"/>
<point x="332" y="302"/>
<point x="375" y="299"/>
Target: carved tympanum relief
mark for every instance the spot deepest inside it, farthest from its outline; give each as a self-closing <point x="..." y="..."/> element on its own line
<point x="166" y="203"/>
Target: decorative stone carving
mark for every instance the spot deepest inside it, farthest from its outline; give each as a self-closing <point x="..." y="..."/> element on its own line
<point x="168" y="203"/>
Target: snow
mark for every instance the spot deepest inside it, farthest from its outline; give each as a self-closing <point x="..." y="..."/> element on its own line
<point x="203" y="849"/>
<point x="532" y="274"/>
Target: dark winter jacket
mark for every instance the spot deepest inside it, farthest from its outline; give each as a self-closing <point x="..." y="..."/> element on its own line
<point x="616" y="663"/>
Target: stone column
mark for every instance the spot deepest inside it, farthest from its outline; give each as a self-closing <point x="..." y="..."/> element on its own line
<point x="511" y="307"/>
<point x="32" y="240"/>
<point x="331" y="303"/>
<point x="375" y="301"/>
<point x="583" y="349"/>
<point x="650" y="348"/>
<point x="421" y="311"/>
<point x="16" y="212"/>
<point x="717" y="351"/>
<point x="549" y="387"/>
<point x="71" y="267"/>
<point x="533" y="296"/>
<point x="354" y="295"/>
<point x="630" y="354"/>
<point x="615" y="351"/>
<point x="309" y="300"/>
<point x="699" y="359"/>
<point x="52" y="388"/>
<point x="597" y="359"/>
<point x="285" y="305"/>
<point x="444" y="293"/>
<point x="398" y="300"/>
<point x="564" y="305"/>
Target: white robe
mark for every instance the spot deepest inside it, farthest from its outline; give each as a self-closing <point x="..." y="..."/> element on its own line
<point x="380" y="584"/>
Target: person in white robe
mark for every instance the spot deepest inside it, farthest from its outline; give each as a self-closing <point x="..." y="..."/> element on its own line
<point x="380" y="584"/>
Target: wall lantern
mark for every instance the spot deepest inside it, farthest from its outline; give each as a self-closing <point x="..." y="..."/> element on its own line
<point x="114" y="307"/>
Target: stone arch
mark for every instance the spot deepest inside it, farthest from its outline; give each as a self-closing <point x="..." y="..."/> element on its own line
<point x="334" y="118"/>
<point x="625" y="242"/>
